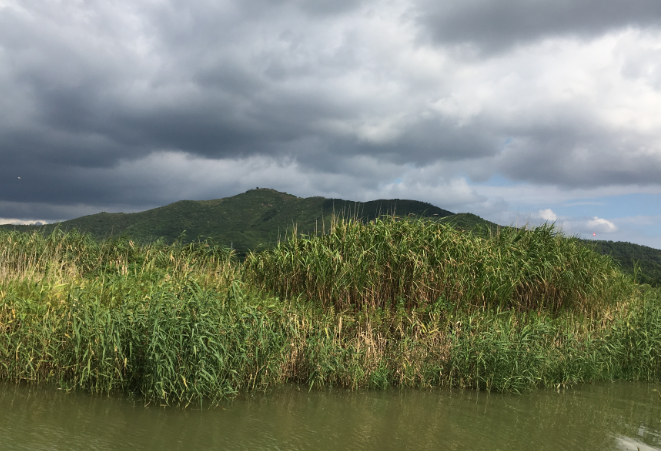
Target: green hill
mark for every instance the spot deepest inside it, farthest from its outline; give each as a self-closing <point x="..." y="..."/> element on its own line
<point x="629" y="254"/>
<point x="471" y="223"/>
<point x="252" y="220"/>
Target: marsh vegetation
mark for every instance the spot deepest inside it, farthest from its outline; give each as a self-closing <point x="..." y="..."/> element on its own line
<point x="406" y="303"/>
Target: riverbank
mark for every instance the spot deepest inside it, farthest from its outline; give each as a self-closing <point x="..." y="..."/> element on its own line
<point x="177" y="324"/>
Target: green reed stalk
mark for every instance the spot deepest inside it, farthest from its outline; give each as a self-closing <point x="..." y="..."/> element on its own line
<point x="418" y="262"/>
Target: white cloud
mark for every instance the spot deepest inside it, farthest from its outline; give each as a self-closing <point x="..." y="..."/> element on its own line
<point x="15" y="221"/>
<point x="547" y="215"/>
<point x="600" y="225"/>
<point x="586" y="226"/>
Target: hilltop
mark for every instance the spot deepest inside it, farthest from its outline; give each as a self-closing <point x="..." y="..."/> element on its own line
<point x="252" y="220"/>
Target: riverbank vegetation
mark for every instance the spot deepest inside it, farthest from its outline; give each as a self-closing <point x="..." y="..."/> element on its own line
<point x="404" y="303"/>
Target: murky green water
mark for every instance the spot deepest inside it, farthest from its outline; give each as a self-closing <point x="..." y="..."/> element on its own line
<point x="593" y="417"/>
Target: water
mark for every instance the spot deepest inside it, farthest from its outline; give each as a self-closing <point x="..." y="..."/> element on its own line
<point x="610" y="416"/>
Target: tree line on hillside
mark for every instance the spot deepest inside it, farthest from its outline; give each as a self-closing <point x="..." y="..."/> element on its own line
<point x="642" y="261"/>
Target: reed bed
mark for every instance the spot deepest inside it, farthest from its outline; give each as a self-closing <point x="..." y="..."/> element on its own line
<point x="182" y="324"/>
<point x="66" y="256"/>
<point x="418" y="262"/>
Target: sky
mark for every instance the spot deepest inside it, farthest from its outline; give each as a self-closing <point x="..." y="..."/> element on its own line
<point x="520" y="111"/>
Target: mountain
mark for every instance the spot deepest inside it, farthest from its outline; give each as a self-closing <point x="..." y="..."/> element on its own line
<point x="258" y="218"/>
<point x="252" y="220"/>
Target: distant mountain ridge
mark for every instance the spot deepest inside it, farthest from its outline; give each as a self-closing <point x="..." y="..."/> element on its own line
<point x="252" y="220"/>
<point x="260" y="217"/>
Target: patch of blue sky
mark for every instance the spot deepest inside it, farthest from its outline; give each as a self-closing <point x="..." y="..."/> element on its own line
<point x="628" y="205"/>
<point x="499" y="180"/>
<point x="640" y="233"/>
<point x="506" y="143"/>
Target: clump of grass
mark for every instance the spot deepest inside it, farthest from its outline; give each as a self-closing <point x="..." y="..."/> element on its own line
<point x="419" y="262"/>
<point x="66" y="256"/>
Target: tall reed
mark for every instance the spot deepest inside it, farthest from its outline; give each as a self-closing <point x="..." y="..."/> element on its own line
<point x="418" y="262"/>
<point x="65" y="256"/>
<point x="180" y="343"/>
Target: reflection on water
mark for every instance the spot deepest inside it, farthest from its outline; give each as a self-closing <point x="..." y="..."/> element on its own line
<point x="628" y="443"/>
<point x="612" y="416"/>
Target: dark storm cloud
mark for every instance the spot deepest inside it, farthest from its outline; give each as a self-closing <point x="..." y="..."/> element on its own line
<point x="496" y="25"/>
<point x="52" y="212"/>
<point x="198" y="98"/>
<point x="94" y="104"/>
<point x="582" y="161"/>
<point x="423" y="142"/>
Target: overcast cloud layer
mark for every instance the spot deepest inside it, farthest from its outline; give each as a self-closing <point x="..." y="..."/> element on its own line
<point x="504" y="108"/>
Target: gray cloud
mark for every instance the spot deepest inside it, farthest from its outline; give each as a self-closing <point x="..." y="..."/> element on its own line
<point x="495" y="26"/>
<point x="577" y="154"/>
